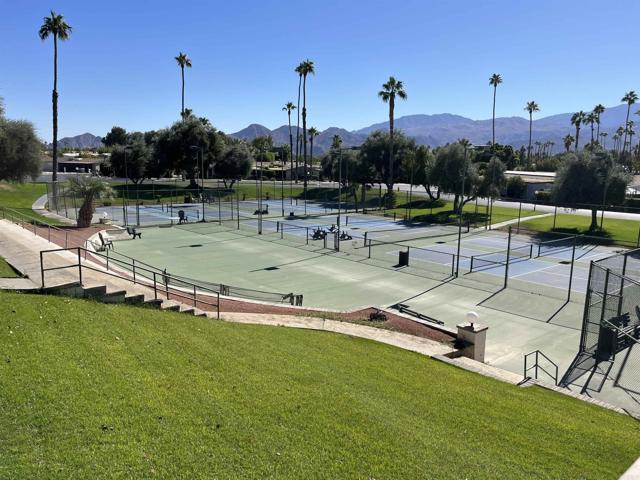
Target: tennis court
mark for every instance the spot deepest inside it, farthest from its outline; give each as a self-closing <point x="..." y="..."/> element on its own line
<point x="385" y="263"/>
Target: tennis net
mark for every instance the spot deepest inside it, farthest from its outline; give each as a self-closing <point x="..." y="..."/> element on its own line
<point x="499" y="259"/>
<point x="405" y="234"/>
<point x="551" y="247"/>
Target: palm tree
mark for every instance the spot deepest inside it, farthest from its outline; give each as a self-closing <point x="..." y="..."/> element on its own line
<point x="615" y="137"/>
<point x="604" y="139"/>
<point x="289" y="107"/>
<point x="88" y="189"/>
<point x="390" y="90"/>
<point x="630" y="98"/>
<point x="531" y="107"/>
<point x="494" y="81"/>
<point x="568" y="141"/>
<point x="591" y="120"/>
<point x="307" y="68"/>
<point x="598" y="110"/>
<point x="183" y="61"/>
<point x="578" y="119"/>
<point x="298" y="70"/>
<point x="313" y="133"/>
<point x="55" y="26"/>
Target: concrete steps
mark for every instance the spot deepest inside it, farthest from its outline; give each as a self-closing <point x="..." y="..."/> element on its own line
<point x="103" y="294"/>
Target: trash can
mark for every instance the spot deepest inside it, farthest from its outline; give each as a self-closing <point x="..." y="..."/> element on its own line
<point x="403" y="258"/>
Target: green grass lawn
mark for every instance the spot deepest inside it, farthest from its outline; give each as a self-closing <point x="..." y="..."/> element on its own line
<point x="96" y="391"/>
<point x="20" y="197"/>
<point x="624" y="232"/>
<point x="6" y="271"/>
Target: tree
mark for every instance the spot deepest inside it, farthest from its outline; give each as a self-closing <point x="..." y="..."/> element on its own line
<point x="423" y="170"/>
<point x="116" y="136"/>
<point x="173" y="148"/>
<point x="262" y="145"/>
<point x="629" y="98"/>
<point x="591" y="120"/>
<point x="234" y="164"/>
<point x="88" y="189"/>
<point x="289" y="107"/>
<point x="493" y="180"/>
<point x="298" y="70"/>
<point x="454" y="169"/>
<point x="584" y="177"/>
<point x="577" y="119"/>
<point x="568" y="141"/>
<point x="531" y="107"/>
<point x="313" y="133"/>
<point x="131" y="161"/>
<point x="376" y="152"/>
<point x="390" y="90"/>
<point x="307" y="68"/>
<point x="598" y="110"/>
<point x="494" y="81"/>
<point x="604" y="136"/>
<point x="19" y="150"/>
<point x="55" y="26"/>
<point x="183" y="61"/>
<point x="516" y="187"/>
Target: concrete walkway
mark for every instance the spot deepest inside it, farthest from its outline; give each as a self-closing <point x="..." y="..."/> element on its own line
<point x="39" y="207"/>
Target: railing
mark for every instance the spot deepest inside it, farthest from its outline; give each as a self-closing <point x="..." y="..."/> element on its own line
<point x="138" y="268"/>
<point x="161" y="286"/>
<point x="22" y="220"/>
<point x="537" y="367"/>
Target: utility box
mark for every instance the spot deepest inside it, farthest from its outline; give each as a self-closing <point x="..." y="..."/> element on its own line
<point x="403" y="258"/>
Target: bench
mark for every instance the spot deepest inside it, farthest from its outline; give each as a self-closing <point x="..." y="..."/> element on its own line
<point x="134" y="233"/>
<point x="106" y="243"/>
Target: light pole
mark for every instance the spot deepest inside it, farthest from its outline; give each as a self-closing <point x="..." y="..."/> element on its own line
<point x="464" y="174"/>
<point x="196" y="149"/>
<point x="126" y="186"/>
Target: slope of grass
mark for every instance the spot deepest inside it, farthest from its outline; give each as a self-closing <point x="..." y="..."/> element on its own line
<point x="6" y="271"/>
<point x="95" y="391"/>
<point x="20" y="197"/>
<point x="620" y="231"/>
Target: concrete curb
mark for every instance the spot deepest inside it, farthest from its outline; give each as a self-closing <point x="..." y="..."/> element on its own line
<point x="633" y="473"/>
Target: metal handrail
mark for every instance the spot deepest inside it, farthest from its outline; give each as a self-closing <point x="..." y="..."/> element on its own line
<point x="18" y="218"/>
<point x="157" y="286"/>
<point x="537" y="366"/>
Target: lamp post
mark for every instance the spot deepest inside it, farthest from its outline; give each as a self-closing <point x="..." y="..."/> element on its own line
<point x="197" y="148"/>
<point x="126" y="186"/>
<point x="464" y="174"/>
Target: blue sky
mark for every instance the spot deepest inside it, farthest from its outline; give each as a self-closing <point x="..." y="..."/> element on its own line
<point x="118" y="66"/>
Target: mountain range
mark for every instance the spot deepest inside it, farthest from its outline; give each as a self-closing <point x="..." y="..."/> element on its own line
<point x="439" y="129"/>
<point x="432" y="130"/>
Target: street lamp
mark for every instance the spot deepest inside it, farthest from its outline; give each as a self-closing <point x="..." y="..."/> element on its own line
<point x="196" y="148"/>
<point x="464" y="174"/>
<point x="126" y="186"/>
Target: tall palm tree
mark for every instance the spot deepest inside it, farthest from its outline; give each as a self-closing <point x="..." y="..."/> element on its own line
<point x="591" y="120"/>
<point x="568" y="141"/>
<point x="598" y="110"/>
<point x="313" y="133"/>
<point x="604" y="135"/>
<point x="390" y="90"/>
<point x="298" y="70"/>
<point x="578" y="119"/>
<point x="307" y="69"/>
<point x="183" y="61"/>
<point x="630" y="98"/>
<point x="289" y="107"/>
<point x="494" y="81"/>
<point x="55" y="26"/>
<point x="615" y="137"/>
<point x="531" y="107"/>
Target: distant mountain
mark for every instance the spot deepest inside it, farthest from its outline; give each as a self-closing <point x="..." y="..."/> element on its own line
<point x="435" y="130"/>
<point x="79" y="142"/>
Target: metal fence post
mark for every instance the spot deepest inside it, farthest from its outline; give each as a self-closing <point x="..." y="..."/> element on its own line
<point x="155" y="288"/>
<point x="42" y="267"/>
<point x="80" y="266"/>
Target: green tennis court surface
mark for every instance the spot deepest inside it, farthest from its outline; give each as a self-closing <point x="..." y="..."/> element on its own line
<point x="532" y="313"/>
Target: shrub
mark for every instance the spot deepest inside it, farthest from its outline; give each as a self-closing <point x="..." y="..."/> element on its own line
<point x="516" y="187"/>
